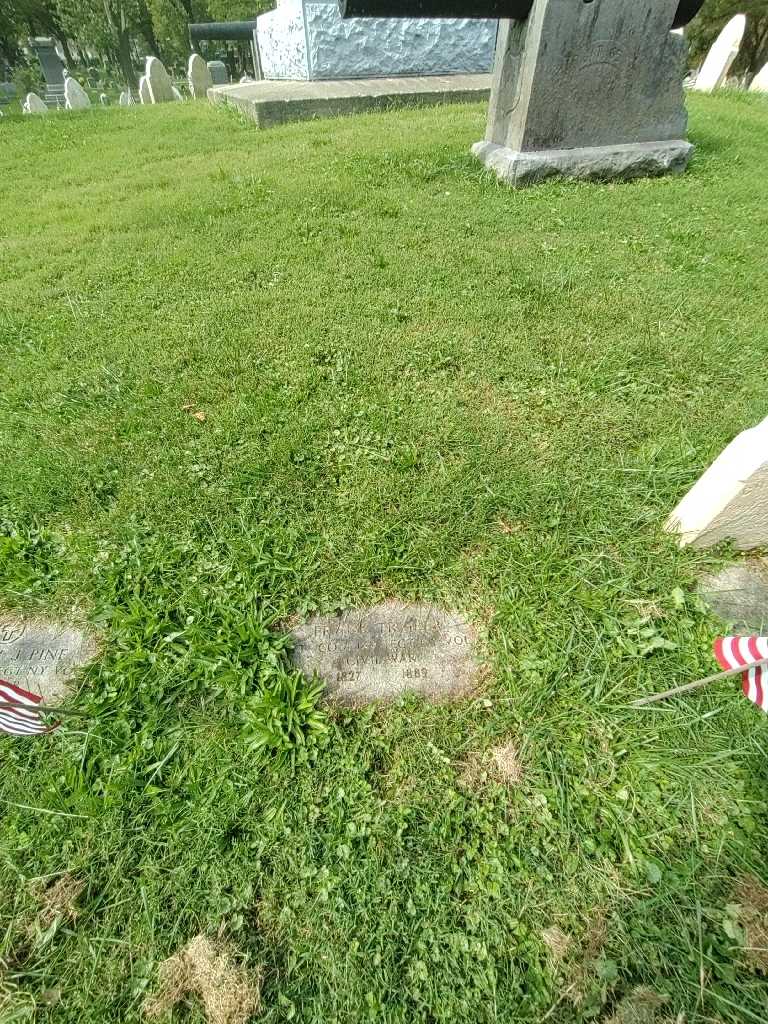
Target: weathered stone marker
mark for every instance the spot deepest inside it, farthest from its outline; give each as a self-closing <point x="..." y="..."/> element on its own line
<point x="144" y="95"/>
<point x="581" y="88"/>
<point x="382" y="652"/>
<point x="730" y="501"/>
<point x="158" y="81"/>
<point x="198" y="77"/>
<point x="75" y="96"/>
<point x="41" y="656"/>
<point x="33" y="104"/>
<point x="739" y="595"/>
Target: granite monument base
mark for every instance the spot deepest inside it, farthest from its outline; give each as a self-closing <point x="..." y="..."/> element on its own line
<point x="622" y="162"/>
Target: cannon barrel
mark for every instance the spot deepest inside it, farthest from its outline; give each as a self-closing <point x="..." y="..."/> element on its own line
<point x="514" y="9"/>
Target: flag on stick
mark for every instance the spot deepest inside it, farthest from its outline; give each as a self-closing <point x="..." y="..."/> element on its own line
<point x="19" y="714"/>
<point x="733" y="652"/>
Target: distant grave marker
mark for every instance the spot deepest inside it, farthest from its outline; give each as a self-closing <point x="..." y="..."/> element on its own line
<point x="42" y="656"/>
<point x="760" y="81"/>
<point x="199" y="77"/>
<point x="219" y="73"/>
<point x="126" y="99"/>
<point x="723" y="53"/>
<point x="382" y="652"/>
<point x="159" y="82"/>
<point x="34" y="105"/>
<point x="144" y="95"/>
<point x="75" y="96"/>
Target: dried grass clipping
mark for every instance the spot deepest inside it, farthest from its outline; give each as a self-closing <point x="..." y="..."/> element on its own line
<point x="230" y="994"/>
<point x="641" y="1006"/>
<point x="500" y="764"/>
<point x="557" y="942"/>
<point x="752" y="898"/>
<point x="58" y="901"/>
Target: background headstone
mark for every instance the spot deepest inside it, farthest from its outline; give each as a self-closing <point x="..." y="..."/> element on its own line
<point x="126" y="99"/>
<point x="199" y="77"/>
<point x="730" y="501"/>
<point x="177" y="94"/>
<point x="104" y="99"/>
<point x="75" y="96"/>
<point x="159" y="81"/>
<point x="219" y="73"/>
<point x="42" y="656"/>
<point x="721" y="56"/>
<point x="382" y="652"/>
<point x="52" y="68"/>
<point x="34" y="105"/>
<point x="144" y="93"/>
<point x="760" y="81"/>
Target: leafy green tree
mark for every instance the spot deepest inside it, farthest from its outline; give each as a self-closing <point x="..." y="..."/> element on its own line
<point x="22" y="18"/>
<point x="714" y="15"/>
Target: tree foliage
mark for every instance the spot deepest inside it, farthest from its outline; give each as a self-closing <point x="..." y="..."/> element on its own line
<point x="714" y="15"/>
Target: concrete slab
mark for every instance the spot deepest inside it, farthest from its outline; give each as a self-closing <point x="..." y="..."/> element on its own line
<point x="272" y="102"/>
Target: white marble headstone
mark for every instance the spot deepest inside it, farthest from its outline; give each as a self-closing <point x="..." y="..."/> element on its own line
<point x="730" y="501"/>
<point x="760" y="81"/>
<point x="177" y="94"/>
<point x="144" y="94"/>
<point x="199" y="77"/>
<point x="724" y="52"/>
<point x="75" y="96"/>
<point x="126" y="99"/>
<point x="34" y="105"/>
<point x="104" y="99"/>
<point x="159" y="81"/>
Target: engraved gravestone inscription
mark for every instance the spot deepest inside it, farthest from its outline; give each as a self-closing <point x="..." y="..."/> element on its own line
<point x="42" y="656"/>
<point x="381" y="652"/>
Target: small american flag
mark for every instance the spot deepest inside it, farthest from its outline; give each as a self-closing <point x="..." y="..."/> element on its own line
<point x="23" y="719"/>
<point x="735" y="651"/>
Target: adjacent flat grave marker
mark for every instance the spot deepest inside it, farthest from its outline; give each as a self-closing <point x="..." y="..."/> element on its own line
<point x="739" y="595"/>
<point x="382" y="652"/>
<point x="41" y="656"/>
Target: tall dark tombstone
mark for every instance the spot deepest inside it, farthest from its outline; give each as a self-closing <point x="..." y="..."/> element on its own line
<point x="53" y="70"/>
<point x="580" y="89"/>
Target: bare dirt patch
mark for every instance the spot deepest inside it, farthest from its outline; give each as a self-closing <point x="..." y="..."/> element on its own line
<point x="500" y="764"/>
<point x="751" y="897"/>
<point x="230" y="993"/>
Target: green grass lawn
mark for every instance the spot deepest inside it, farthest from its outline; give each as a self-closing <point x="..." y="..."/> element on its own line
<point x="417" y="383"/>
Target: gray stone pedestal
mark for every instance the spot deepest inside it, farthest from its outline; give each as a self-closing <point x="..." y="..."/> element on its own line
<point x="587" y="90"/>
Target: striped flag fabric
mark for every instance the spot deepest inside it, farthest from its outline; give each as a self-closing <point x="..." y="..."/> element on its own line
<point x="23" y="719"/>
<point x="735" y="651"/>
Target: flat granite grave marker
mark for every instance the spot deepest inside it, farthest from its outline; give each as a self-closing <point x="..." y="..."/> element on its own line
<point x="392" y="648"/>
<point x="41" y="656"/>
<point x="739" y="595"/>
